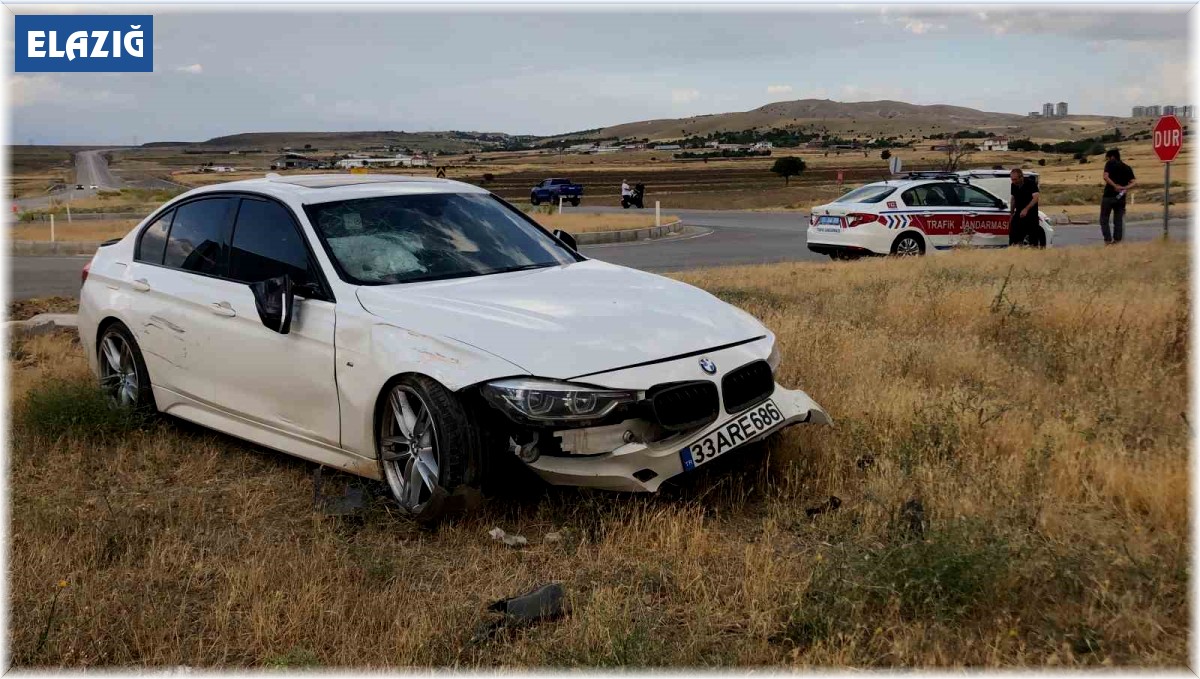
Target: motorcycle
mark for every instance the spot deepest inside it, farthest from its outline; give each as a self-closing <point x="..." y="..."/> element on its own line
<point x="635" y="198"/>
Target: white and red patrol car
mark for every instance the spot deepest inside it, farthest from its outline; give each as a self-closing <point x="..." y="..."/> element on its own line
<point x="924" y="212"/>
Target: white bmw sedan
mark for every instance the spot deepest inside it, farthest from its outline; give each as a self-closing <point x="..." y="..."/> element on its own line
<point x="419" y="331"/>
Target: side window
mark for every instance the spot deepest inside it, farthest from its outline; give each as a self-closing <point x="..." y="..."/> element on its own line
<point x="969" y="195"/>
<point x="266" y="244"/>
<point x="931" y="195"/>
<point x="200" y="236"/>
<point x="153" y="242"/>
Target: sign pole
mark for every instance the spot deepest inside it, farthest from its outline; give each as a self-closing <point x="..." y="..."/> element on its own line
<point x="1166" y="196"/>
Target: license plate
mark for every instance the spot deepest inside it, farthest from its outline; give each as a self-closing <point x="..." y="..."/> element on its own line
<point x="733" y="434"/>
<point x="830" y="220"/>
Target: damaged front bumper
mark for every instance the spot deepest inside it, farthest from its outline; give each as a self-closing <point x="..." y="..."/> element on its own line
<point x="642" y="467"/>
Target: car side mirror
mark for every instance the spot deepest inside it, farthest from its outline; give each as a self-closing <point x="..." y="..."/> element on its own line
<point x="567" y="239"/>
<point x="274" y="300"/>
<point x="1001" y="205"/>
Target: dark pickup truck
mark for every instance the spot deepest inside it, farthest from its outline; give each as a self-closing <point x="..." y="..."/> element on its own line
<point x="550" y="190"/>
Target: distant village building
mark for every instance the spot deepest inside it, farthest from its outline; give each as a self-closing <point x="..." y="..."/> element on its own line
<point x="667" y="147"/>
<point x="218" y="168"/>
<point x="1035" y="114"/>
<point x="762" y="146"/>
<point x="995" y="144"/>
<point x="294" y="161"/>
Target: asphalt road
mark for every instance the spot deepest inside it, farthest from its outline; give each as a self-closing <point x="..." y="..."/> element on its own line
<point x="751" y="237"/>
<point x="91" y="169"/>
<point x="716" y="238"/>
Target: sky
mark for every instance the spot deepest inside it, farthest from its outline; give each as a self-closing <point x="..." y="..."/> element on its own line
<point x="550" y="70"/>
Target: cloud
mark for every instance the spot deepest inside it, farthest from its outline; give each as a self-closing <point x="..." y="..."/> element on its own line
<point x="779" y="89"/>
<point x="684" y="96"/>
<point x="194" y="69"/>
<point x="27" y="90"/>
<point x="919" y="27"/>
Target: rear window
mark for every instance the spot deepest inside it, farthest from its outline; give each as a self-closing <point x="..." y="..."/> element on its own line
<point x="867" y="194"/>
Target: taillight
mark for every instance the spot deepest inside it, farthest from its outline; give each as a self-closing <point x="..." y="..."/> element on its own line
<point x="859" y="218"/>
<point x="84" y="273"/>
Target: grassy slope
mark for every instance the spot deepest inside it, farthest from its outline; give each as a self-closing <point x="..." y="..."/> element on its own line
<point x="1034" y="403"/>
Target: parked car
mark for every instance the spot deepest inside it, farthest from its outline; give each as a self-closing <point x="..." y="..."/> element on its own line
<point x="421" y="331"/>
<point x="79" y="187"/>
<point x="912" y="216"/>
<point x="550" y="190"/>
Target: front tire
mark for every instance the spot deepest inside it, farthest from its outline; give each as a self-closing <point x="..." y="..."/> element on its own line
<point x="533" y="200"/>
<point x="123" y="375"/>
<point x="574" y="202"/>
<point x="908" y="245"/>
<point x="428" y="447"/>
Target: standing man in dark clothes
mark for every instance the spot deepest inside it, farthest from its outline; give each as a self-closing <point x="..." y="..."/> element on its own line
<point x="1118" y="178"/>
<point x="1024" y="203"/>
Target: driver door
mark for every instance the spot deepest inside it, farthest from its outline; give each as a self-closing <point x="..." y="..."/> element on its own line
<point x="284" y="382"/>
<point x="986" y="218"/>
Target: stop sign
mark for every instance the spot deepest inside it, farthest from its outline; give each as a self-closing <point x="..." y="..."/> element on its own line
<point x="1168" y="138"/>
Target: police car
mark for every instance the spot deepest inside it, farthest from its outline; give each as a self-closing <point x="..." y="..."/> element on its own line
<point x="920" y="213"/>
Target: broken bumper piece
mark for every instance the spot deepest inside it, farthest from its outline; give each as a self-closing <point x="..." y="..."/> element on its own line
<point x="642" y="467"/>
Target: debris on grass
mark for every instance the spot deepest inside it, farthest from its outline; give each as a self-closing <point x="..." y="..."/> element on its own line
<point x="828" y="506"/>
<point x="512" y="540"/>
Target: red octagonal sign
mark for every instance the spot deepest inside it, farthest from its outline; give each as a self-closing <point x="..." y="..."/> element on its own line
<point x="1168" y="138"/>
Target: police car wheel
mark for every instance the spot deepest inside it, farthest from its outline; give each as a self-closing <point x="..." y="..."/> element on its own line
<point x="908" y="245"/>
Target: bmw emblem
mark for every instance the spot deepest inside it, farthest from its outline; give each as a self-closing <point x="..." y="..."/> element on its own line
<point x="708" y="366"/>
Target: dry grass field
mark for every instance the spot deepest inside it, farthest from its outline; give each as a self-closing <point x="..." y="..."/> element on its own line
<point x="80" y="230"/>
<point x="588" y="223"/>
<point x="1010" y="455"/>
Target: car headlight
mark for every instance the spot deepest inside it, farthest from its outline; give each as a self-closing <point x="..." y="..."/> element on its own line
<point x="538" y="401"/>
<point x="775" y="357"/>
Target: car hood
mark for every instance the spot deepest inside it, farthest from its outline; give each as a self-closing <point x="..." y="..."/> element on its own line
<point x="566" y="321"/>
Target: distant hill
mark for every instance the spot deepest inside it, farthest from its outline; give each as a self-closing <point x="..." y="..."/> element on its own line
<point x="447" y="141"/>
<point x="865" y="118"/>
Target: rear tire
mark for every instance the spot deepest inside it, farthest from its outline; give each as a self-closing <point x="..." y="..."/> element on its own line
<point x="429" y="448"/>
<point x="533" y="200"/>
<point x="908" y="245"/>
<point x="574" y="202"/>
<point x="123" y="375"/>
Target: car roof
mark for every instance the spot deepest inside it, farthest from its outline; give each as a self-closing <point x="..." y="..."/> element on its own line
<point x="324" y="188"/>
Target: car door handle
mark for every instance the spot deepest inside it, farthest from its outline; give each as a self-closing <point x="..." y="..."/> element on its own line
<point x="972" y="214"/>
<point x="140" y="285"/>
<point x="222" y="309"/>
<point x="926" y="214"/>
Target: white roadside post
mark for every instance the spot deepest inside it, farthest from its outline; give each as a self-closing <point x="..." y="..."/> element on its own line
<point x="70" y="196"/>
<point x="560" y="202"/>
<point x="657" y="214"/>
<point x="51" y="227"/>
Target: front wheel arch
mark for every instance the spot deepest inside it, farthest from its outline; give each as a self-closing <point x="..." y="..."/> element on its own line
<point x="460" y="441"/>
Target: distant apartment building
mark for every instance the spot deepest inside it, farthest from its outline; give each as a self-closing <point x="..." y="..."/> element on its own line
<point x="1048" y="110"/>
<point x="1168" y="110"/>
<point x="1139" y="111"/>
<point x="1060" y="109"/>
<point x="1155" y="110"/>
<point x="1186" y="111"/>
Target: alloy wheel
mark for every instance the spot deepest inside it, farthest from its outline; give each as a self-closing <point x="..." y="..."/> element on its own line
<point x="118" y="371"/>
<point x="408" y="448"/>
<point x="908" y="247"/>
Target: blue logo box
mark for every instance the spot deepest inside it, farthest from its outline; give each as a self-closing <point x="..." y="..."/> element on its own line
<point x="90" y="43"/>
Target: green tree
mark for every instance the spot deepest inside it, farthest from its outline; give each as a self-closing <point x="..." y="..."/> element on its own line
<point x="788" y="167"/>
